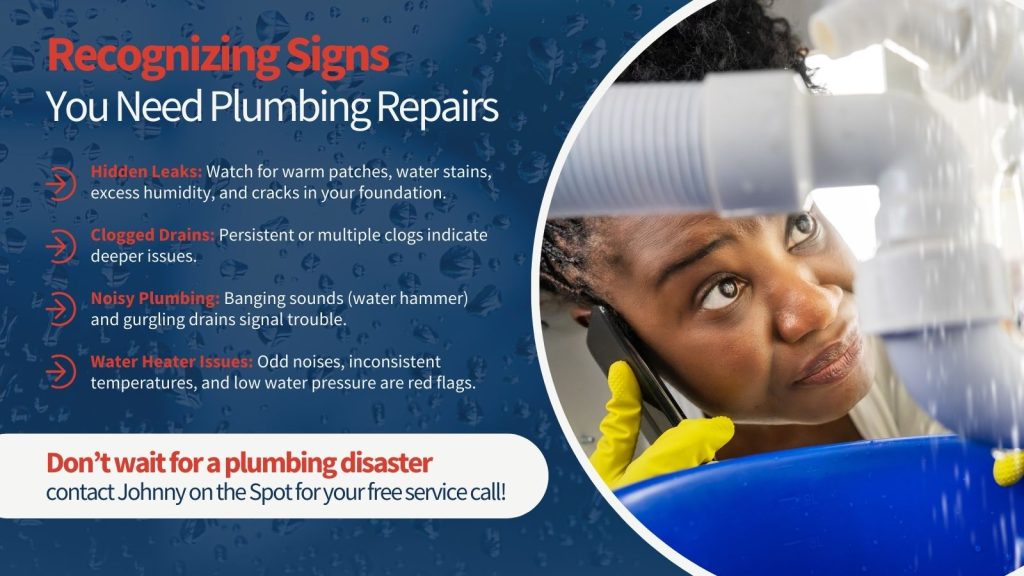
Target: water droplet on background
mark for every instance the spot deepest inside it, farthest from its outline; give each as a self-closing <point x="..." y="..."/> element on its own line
<point x="403" y="214"/>
<point x="272" y="27"/>
<point x="460" y="262"/>
<point x="546" y="58"/>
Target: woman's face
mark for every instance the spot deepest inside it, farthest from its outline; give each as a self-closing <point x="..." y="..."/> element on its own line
<point x="755" y="316"/>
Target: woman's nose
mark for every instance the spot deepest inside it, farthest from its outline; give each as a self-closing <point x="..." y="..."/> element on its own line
<point x="803" y="305"/>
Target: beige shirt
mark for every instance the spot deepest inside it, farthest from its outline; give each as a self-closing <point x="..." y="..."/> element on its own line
<point x="888" y="411"/>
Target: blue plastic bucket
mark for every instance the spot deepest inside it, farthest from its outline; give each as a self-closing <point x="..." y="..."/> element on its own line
<point x="908" y="506"/>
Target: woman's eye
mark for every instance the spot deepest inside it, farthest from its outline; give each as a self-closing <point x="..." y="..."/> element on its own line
<point x="722" y="294"/>
<point x="801" y="228"/>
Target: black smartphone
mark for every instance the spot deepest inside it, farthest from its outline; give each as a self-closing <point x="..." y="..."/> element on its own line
<point x="608" y="343"/>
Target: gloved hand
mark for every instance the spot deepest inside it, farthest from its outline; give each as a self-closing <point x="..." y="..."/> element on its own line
<point x="1008" y="468"/>
<point x="691" y="443"/>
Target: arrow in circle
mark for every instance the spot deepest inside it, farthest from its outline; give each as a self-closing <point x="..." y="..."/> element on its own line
<point x="60" y="183"/>
<point x="59" y="235"/>
<point x="60" y="309"/>
<point x="60" y="244"/>
<point x="63" y="367"/>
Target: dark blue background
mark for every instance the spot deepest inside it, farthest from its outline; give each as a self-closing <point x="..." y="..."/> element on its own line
<point x="541" y="59"/>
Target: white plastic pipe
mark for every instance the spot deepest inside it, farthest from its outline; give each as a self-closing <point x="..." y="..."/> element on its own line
<point x="930" y="29"/>
<point x="743" y="143"/>
<point x="965" y="46"/>
<point x="650" y="148"/>
<point x="970" y="378"/>
<point x="641" y="138"/>
<point x="757" y="143"/>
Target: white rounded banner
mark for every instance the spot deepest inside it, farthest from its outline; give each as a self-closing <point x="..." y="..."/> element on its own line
<point x="270" y="476"/>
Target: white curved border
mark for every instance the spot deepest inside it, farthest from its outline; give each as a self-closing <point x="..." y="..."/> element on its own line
<point x="556" y="170"/>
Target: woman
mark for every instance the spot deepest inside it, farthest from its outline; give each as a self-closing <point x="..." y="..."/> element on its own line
<point x="754" y="317"/>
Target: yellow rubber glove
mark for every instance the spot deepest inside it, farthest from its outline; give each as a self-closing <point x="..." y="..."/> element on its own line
<point x="691" y="443"/>
<point x="1008" y="468"/>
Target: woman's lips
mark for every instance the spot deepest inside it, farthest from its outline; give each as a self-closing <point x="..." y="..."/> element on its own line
<point x="834" y="363"/>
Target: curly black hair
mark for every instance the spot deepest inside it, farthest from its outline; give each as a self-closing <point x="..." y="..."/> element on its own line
<point x="725" y="35"/>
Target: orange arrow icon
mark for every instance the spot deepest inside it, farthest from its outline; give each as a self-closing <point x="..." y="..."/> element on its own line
<point x="65" y="244"/>
<point x="61" y="315"/>
<point x="61" y="184"/>
<point x="64" y="371"/>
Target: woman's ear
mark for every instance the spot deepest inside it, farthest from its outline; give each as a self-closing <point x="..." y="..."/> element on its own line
<point x="581" y="314"/>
